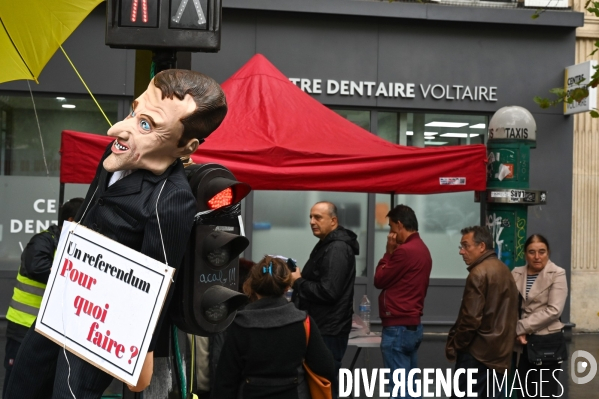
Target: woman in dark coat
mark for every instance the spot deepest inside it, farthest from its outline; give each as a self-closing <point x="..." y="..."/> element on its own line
<point x="266" y="344"/>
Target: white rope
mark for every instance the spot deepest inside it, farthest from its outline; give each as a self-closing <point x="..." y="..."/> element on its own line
<point x="159" y="228"/>
<point x="39" y="130"/>
<point x="64" y="293"/>
<point x="86" y="208"/>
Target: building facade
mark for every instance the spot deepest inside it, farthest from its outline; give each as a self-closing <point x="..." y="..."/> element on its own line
<point x="585" y="186"/>
<point x="417" y="74"/>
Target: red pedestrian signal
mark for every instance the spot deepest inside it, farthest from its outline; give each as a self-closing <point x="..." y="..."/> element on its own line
<point x="173" y="25"/>
<point x="224" y="198"/>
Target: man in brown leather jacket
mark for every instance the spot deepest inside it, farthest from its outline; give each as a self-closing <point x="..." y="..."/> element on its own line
<point x="483" y="336"/>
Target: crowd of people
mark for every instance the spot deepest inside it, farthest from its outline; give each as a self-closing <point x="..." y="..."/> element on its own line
<point x="499" y="313"/>
<point x="140" y="198"/>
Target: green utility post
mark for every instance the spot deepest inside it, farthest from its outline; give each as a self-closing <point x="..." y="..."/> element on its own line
<point x="512" y="133"/>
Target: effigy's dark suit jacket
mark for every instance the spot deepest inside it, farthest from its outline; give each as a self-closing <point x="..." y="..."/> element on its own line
<point x="126" y="212"/>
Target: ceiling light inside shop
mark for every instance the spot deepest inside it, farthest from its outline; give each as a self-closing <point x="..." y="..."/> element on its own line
<point x="435" y="142"/>
<point x="68" y="106"/>
<point x="61" y="98"/>
<point x="459" y="135"/>
<point x="477" y="126"/>
<point x="411" y="133"/>
<point x="446" y="124"/>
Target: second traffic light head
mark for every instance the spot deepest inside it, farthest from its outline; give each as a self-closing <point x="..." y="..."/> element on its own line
<point x="218" y="303"/>
<point x="219" y="248"/>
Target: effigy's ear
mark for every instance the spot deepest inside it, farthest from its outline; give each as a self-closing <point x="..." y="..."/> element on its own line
<point x="189" y="148"/>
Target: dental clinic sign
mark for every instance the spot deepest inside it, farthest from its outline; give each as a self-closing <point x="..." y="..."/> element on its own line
<point x="577" y="76"/>
<point x="452" y="92"/>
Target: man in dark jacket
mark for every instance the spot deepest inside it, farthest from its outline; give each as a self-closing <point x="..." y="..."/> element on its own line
<point x="325" y="286"/>
<point x="483" y="336"/>
<point x="36" y="262"/>
<point x="403" y="276"/>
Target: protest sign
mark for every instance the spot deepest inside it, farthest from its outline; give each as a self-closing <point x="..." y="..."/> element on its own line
<point x="102" y="301"/>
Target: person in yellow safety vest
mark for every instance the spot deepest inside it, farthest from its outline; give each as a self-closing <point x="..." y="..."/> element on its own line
<point x="36" y="262"/>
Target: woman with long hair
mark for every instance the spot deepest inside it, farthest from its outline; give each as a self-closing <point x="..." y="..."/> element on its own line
<point x="266" y="343"/>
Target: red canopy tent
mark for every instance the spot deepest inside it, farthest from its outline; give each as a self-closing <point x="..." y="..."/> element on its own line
<point x="276" y="137"/>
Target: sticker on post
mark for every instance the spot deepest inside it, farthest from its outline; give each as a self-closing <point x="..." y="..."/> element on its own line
<point x="452" y="181"/>
<point x="500" y="194"/>
<point x="102" y="301"/>
<point x="517" y="195"/>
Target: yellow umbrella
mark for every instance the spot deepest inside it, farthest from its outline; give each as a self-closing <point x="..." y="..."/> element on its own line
<point x="32" y="30"/>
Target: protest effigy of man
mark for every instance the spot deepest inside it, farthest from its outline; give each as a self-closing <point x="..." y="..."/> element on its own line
<point x="140" y="197"/>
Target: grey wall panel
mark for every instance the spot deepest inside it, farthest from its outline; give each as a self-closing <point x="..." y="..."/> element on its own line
<point x="521" y="64"/>
<point x="238" y="45"/>
<point x="421" y="11"/>
<point x="443" y="300"/>
<point x="551" y="170"/>
<point x="106" y="71"/>
<point x="320" y="47"/>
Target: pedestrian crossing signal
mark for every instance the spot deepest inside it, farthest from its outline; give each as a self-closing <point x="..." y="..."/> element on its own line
<point x="181" y="25"/>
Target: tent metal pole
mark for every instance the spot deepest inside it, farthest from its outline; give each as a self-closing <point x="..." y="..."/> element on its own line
<point x="60" y="200"/>
<point x="483" y="208"/>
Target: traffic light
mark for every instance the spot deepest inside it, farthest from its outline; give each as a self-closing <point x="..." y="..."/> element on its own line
<point x="183" y="25"/>
<point x="206" y="295"/>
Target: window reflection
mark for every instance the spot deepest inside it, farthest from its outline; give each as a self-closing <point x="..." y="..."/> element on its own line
<point x="282" y="222"/>
<point x="359" y="117"/>
<point x="440" y="216"/>
<point x="440" y="219"/>
<point x="429" y="129"/>
<point x="20" y="145"/>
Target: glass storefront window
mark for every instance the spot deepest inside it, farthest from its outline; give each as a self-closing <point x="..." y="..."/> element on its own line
<point x="21" y="149"/>
<point x="30" y="197"/>
<point x="429" y="129"/>
<point x="282" y="223"/>
<point x="440" y="219"/>
<point x="359" y="117"/>
<point x="440" y="216"/>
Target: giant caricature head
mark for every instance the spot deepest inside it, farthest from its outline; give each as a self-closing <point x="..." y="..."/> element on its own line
<point x="179" y="109"/>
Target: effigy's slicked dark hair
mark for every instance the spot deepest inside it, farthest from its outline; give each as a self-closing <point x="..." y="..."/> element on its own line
<point x="206" y="93"/>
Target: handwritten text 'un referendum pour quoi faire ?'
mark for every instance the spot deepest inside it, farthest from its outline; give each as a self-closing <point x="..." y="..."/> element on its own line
<point x="86" y="308"/>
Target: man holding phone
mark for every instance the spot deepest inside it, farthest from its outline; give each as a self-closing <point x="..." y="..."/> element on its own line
<point x="325" y="286"/>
